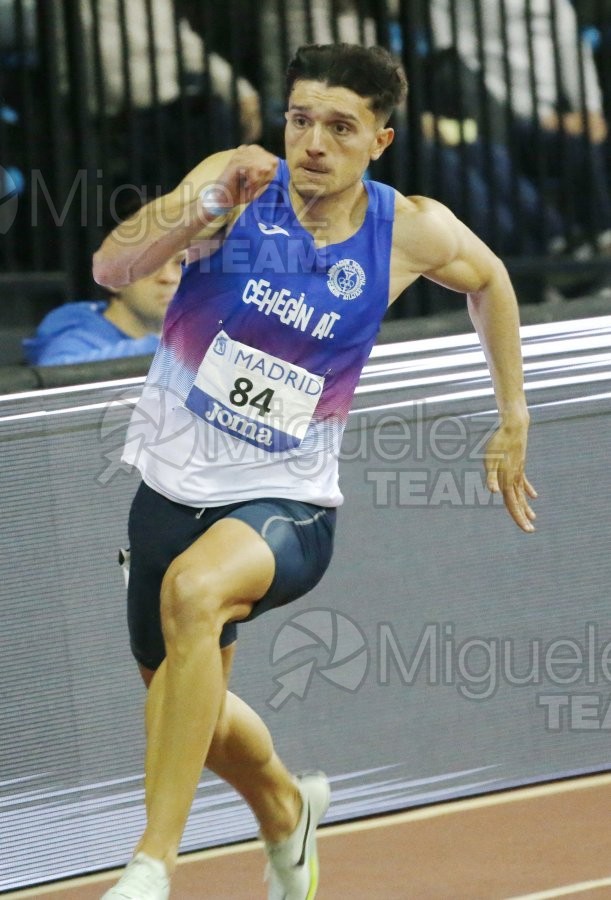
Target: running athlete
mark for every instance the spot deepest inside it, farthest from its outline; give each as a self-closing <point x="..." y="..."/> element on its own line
<point x="291" y="267"/>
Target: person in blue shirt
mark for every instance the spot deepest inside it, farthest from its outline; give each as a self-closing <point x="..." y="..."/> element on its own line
<point x="128" y="324"/>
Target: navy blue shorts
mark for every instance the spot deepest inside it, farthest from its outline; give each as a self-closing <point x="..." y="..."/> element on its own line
<point x="300" y="535"/>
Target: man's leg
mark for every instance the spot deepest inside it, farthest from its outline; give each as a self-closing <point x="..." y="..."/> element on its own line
<point x="217" y="579"/>
<point x="243" y="755"/>
<point x="274" y="544"/>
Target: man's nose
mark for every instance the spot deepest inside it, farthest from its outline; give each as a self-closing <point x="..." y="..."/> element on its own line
<point x="316" y="140"/>
<point x="169" y="274"/>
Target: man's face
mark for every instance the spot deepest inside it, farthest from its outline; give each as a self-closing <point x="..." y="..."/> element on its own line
<point x="148" y="298"/>
<point x="331" y="136"/>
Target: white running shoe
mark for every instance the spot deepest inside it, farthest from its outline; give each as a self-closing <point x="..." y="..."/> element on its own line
<point x="293" y="863"/>
<point x="144" y="878"/>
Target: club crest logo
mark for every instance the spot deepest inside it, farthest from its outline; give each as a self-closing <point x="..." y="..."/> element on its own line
<point x="346" y="279"/>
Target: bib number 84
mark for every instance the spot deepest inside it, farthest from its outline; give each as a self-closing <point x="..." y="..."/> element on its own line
<point x="240" y="396"/>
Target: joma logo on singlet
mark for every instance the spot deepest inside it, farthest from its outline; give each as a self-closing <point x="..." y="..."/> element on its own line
<point x="238" y="425"/>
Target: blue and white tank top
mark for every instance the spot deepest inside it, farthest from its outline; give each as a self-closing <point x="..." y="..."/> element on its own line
<point x="262" y="348"/>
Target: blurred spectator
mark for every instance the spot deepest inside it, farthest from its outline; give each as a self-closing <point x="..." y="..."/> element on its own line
<point x="131" y="77"/>
<point x="475" y="175"/>
<point x="534" y="60"/>
<point x="595" y="20"/>
<point x="129" y="324"/>
<point x="140" y="75"/>
<point x="505" y="211"/>
<point x="16" y="54"/>
<point x="157" y="45"/>
<point x="11" y="40"/>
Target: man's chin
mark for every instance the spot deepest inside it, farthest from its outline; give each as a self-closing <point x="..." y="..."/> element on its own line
<point x="307" y="190"/>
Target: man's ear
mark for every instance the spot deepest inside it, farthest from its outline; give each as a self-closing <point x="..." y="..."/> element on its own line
<point x="383" y="139"/>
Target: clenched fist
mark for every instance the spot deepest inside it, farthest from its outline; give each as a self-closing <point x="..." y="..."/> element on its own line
<point x="244" y="178"/>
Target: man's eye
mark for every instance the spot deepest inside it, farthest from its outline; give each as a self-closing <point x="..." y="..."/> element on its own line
<point x="341" y="128"/>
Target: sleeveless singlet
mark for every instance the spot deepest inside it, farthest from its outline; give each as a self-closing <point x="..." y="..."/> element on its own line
<point x="262" y="347"/>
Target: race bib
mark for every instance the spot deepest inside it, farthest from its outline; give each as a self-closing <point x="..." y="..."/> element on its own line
<point x="254" y="396"/>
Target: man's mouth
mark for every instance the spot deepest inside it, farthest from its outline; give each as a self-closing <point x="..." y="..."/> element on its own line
<point x="315" y="170"/>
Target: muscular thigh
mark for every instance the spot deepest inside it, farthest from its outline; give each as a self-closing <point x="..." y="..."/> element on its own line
<point x="300" y="536"/>
<point x="160" y="532"/>
<point x="232" y="563"/>
<point x="267" y="553"/>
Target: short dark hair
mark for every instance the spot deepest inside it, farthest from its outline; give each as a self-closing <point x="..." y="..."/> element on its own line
<point x="370" y="72"/>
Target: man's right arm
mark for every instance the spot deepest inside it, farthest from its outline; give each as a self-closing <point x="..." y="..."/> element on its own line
<point x="165" y="226"/>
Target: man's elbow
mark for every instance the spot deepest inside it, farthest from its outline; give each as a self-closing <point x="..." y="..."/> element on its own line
<point x="107" y="272"/>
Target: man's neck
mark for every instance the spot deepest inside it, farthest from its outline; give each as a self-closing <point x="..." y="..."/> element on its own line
<point x="123" y="319"/>
<point x="331" y="219"/>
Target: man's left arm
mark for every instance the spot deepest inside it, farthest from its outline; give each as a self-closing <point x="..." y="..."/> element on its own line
<point x="494" y="312"/>
<point x="459" y="260"/>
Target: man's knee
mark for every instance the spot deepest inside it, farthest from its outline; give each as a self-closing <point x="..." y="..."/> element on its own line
<point x="191" y="597"/>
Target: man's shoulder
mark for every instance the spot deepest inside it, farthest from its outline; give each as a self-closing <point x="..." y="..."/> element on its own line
<point x="417" y="205"/>
<point x="81" y="320"/>
<point x="424" y="232"/>
<point x="76" y="314"/>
